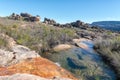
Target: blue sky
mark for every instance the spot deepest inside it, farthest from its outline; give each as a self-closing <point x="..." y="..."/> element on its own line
<point x="65" y="10"/>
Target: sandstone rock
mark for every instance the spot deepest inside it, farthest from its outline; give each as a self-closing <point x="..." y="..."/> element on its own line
<point x="62" y="47"/>
<point x="17" y="17"/>
<point x="37" y="66"/>
<point x="5" y="57"/>
<point x="49" y="21"/>
<point x="24" y="76"/>
<point x="78" y="42"/>
<point x="23" y="52"/>
<point x="13" y="15"/>
<point x="77" y="24"/>
<point x="34" y="19"/>
<point x="19" y="76"/>
<point x="25" y="15"/>
<point x="17" y="54"/>
<point x="81" y="45"/>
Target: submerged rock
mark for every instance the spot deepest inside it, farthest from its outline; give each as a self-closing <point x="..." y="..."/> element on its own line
<point x="79" y="43"/>
<point x="62" y="47"/>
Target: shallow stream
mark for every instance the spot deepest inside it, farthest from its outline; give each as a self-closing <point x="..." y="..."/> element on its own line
<point x="83" y="63"/>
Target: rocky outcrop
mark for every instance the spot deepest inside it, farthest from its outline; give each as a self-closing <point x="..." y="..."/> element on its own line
<point x="25" y="16"/>
<point x="34" y="18"/>
<point x="19" y="76"/>
<point x="14" y="53"/>
<point x="21" y="59"/>
<point x="37" y="66"/>
<point x="77" y="24"/>
<point x="49" y="21"/>
<point x="17" y="54"/>
<point x="15" y="16"/>
<point x="80" y="24"/>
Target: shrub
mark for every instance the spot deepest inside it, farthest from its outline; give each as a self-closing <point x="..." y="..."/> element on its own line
<point x="110" y="50"/>
<point x="31" y="36"/>
<point x="3" y="43"/>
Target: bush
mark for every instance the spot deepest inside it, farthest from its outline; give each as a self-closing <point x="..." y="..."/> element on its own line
<point x="3" y="43"/>
<point x="32" y="36"/>
<point x="110" y="50"/>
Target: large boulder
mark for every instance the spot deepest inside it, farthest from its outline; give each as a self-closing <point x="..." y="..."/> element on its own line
<point x="25" y="15"/>
<point x="49" y="21"/>
<point x="34" y="19"/>
<point x="78" y="24"/>
<point x="61" y="47"/>
<point x="15" y="16"/>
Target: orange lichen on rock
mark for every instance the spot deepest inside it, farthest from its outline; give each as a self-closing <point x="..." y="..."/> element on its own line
<point x="37" y="66"/>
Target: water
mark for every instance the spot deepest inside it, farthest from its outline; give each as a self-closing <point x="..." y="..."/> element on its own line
<point x="83" y="63"/>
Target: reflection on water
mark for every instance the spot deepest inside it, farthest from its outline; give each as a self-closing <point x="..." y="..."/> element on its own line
<point x="75" y="64"/>
<point x="83" y="63"/>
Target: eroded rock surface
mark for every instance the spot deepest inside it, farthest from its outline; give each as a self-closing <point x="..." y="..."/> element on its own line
<point x="17" y="54"/>
<point x="61" y="47"/>
<point x="37" y="66"/>
<point x="24" y="76"/>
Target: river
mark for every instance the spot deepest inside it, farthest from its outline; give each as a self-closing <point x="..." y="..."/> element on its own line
<point x="83" y="63"/>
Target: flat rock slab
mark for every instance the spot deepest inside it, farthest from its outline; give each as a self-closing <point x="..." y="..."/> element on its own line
<point x="37" y="66"/>
<point x="61" y="47"/>
<point x="25" y="76"/>
<point x="17" y="54"/>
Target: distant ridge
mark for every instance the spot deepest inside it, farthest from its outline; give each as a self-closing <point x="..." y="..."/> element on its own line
<point x="109" y="25"/>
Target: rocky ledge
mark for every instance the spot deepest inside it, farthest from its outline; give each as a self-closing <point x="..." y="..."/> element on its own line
<point x="37" y="66"/>
<point x="25" y="76"/>
<point x="23" y="64"/>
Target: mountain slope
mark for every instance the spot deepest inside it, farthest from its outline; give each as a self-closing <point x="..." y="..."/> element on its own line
<point x="110" y="25"/>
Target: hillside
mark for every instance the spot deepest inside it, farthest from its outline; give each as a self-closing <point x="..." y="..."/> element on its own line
<point x="24" y="43"/>
<point x="109" y="25"/>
